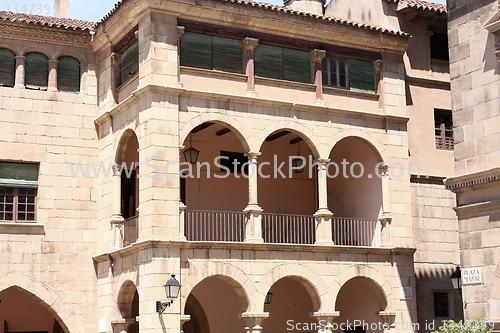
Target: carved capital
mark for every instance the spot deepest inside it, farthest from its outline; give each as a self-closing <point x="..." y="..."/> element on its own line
<point x="116" y="58"/>
<point x="180" y="31"/>
<point x="378" y="65"/>
<point x="383" y="170"/>
<point x="249" y="44"/>
<point x="317" y="55"/>
<point x="252" y="156"/>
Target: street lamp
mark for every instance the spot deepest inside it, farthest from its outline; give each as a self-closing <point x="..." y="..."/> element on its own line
<point x="172" y="289"/>
<point x="456" y="279"/>
<point x="268" y="299"/>
<point x="191" y="154"/>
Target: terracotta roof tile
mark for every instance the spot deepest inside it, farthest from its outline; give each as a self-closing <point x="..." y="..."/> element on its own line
<point x="284" y="9"/>
<point x="48" y="21"/>
<point x="424" y="5"/>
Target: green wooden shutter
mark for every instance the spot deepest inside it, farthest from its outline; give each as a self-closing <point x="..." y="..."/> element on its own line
<point x="129" y="62"/>
<point x="7" y="68"/>
<point x="19" y="175"/>
<point x="196" y="50"/>
<point x="361" y="76"/>
<point x="68" y="74"/>
<point x="269" y="61"/>
<point x="296" y="65"/>
<point x="227" y="54"/>
<point x="36" y="71"/>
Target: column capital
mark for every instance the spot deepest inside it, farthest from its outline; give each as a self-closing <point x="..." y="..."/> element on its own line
<point x="116" y="58"/>
<point x="322" y="161"/>
<point x="116" y="170"/>
<point x="385" y="218"/>
<point x="52" y="61"/>
<point x="383" y="170"/>
<point x="252" y="156"/>
<point x="328" y="316"/>
<point x="180" y="31"/>
<point x="378" y="65"/>
<point x="255" y="318"/>
<point x="249" y="44"/>
<point x="317" y="55"/>
<point x="387" y="317"/>
<point x="20" y="57"/>
<point x="122" y="324"/>
<point x="182" y="206"/>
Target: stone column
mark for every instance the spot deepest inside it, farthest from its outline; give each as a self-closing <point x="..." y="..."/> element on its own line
<point x="379" y="79"/>
<point x="52" y="86"/>
<point x="253" y="321"/>
<point x="117" y="220"/>
<point x="249" y="45"/>
<point x="386" y="218"/>
<point x="316" y="59"/>
<point x="115" y="74"/>
<point x="253" y="228"/>
<point x="180" y="32"/>
<point x="84" y="67"/>
<point x="325" y="320"/>
<point x="182" y="211"/>
<point x="19" y="80"/>
<point x="121" y="325"/>
<point x="429" y="35"/>
<point x="184" y="319"/>
<point x="323" y="215"/>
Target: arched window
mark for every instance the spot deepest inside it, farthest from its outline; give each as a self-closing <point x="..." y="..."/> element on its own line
<point x="37" y="71"/>
<point x="68" y="74"/>
<point x="7" y="68"/>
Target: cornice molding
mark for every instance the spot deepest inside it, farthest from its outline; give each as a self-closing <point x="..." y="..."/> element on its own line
<point x="45" y="35"/>
<point x="478" y="208"/>
<point x="473" y="181"/>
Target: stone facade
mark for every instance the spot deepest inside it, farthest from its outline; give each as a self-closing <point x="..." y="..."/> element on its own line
<point x="474" y="67"/>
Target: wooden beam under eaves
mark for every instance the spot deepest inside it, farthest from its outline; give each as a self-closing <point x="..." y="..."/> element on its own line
<point x="223" y="131"/>
<point x="201" y="127"/>
<point x="277" y="135"/>
<point x="296" y="140"/>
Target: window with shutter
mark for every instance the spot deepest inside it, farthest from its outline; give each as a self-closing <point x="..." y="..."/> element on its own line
<point x="7" y="68"/>
<point x="129" y="63"/>
<point x="282" y="63"/>
<point x="211" y="52"/>
<point x="68" y="74"/>
<point x="269" y="61"/>
<point x="297" y="65"/>
<point x="36" y="71"/>
<point x="443" y="124"/>
<point x="361" y="75"/>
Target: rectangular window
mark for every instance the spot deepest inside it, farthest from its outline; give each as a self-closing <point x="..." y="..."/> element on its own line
<point x="439" y="47"/>
<point x="443" y="124"/>
<point x="233" y="160"/>
<point x="129" y="63"/>
<point x="441" y="305"/>
<point x="18" y="192"/>
<point x="282" y="63"/>
<point x="211" y="52"/>
<point x="335" y="72"/>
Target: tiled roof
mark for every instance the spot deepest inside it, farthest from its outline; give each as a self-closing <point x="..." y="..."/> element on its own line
<point x="424" y="5"/>
<point x="48" y="21"/>
<point x="284" y="9"/>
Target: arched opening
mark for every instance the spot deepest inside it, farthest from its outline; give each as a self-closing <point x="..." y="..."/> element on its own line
<point x="128" y="162"/>
<point x="293" y="300"/>
<point x="360" y="299"/>
<point x="21" y="312"/>
<point x="7" y="68"/>
<point x="36" y="71"/>
<point x="214" y="189"/>
<point x="289" y="197"/>
<point x="68" y="74"/>
<point x="354" y="192"/>
<point x="214" y="305"/>
<point x="128" y="304"/>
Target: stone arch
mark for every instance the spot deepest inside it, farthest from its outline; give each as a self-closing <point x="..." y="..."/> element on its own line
<point x="377" y="282"/>
<point x="233" y="124"/>
<point x="311" y="281"/>
<point x="13" y="48"/>
<point x="234" y="276"/>
<point x="307" y="135"/>
<point x="122" y="144"/>
<point x="125" y="298"/>
<point x="376" y="145"/>
<point x="38" y="50"/>
<point x="494" y="301"/>
<point x="46" y="297"/>
<point x="81" y="58"/>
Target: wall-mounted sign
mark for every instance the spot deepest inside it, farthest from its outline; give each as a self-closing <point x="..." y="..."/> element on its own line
<point x="471" y="275"/>
<point x="405" y="293"/>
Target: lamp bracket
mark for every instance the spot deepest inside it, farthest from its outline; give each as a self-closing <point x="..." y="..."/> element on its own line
<point x="162" y="306"/>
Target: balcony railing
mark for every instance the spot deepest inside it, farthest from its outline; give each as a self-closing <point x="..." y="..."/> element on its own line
<point x="130" y="230"/>
<point x="214" y="226"/>
<point x="284" y="228"/>
<point x="217" y="226"/>
<point x="355" y="232"/>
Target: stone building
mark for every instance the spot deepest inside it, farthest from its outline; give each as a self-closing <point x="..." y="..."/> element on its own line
<point x="473" y="30"/>
<point x="101" y="121"/>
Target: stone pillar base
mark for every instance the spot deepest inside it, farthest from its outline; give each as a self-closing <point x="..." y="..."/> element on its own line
<point x="385" y="221"/>
<point x="253" y="226"/>
<point x="323" y="227"/>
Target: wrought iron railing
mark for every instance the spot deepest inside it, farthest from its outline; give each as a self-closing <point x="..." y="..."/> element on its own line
<point x="130" y="230"/>
<point x="204" y="225"/>
<point x="355" y="232"/>
<point x="285" y="228"/>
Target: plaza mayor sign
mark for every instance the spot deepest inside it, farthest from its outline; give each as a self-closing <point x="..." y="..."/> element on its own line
<point x="471" y="275"/>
